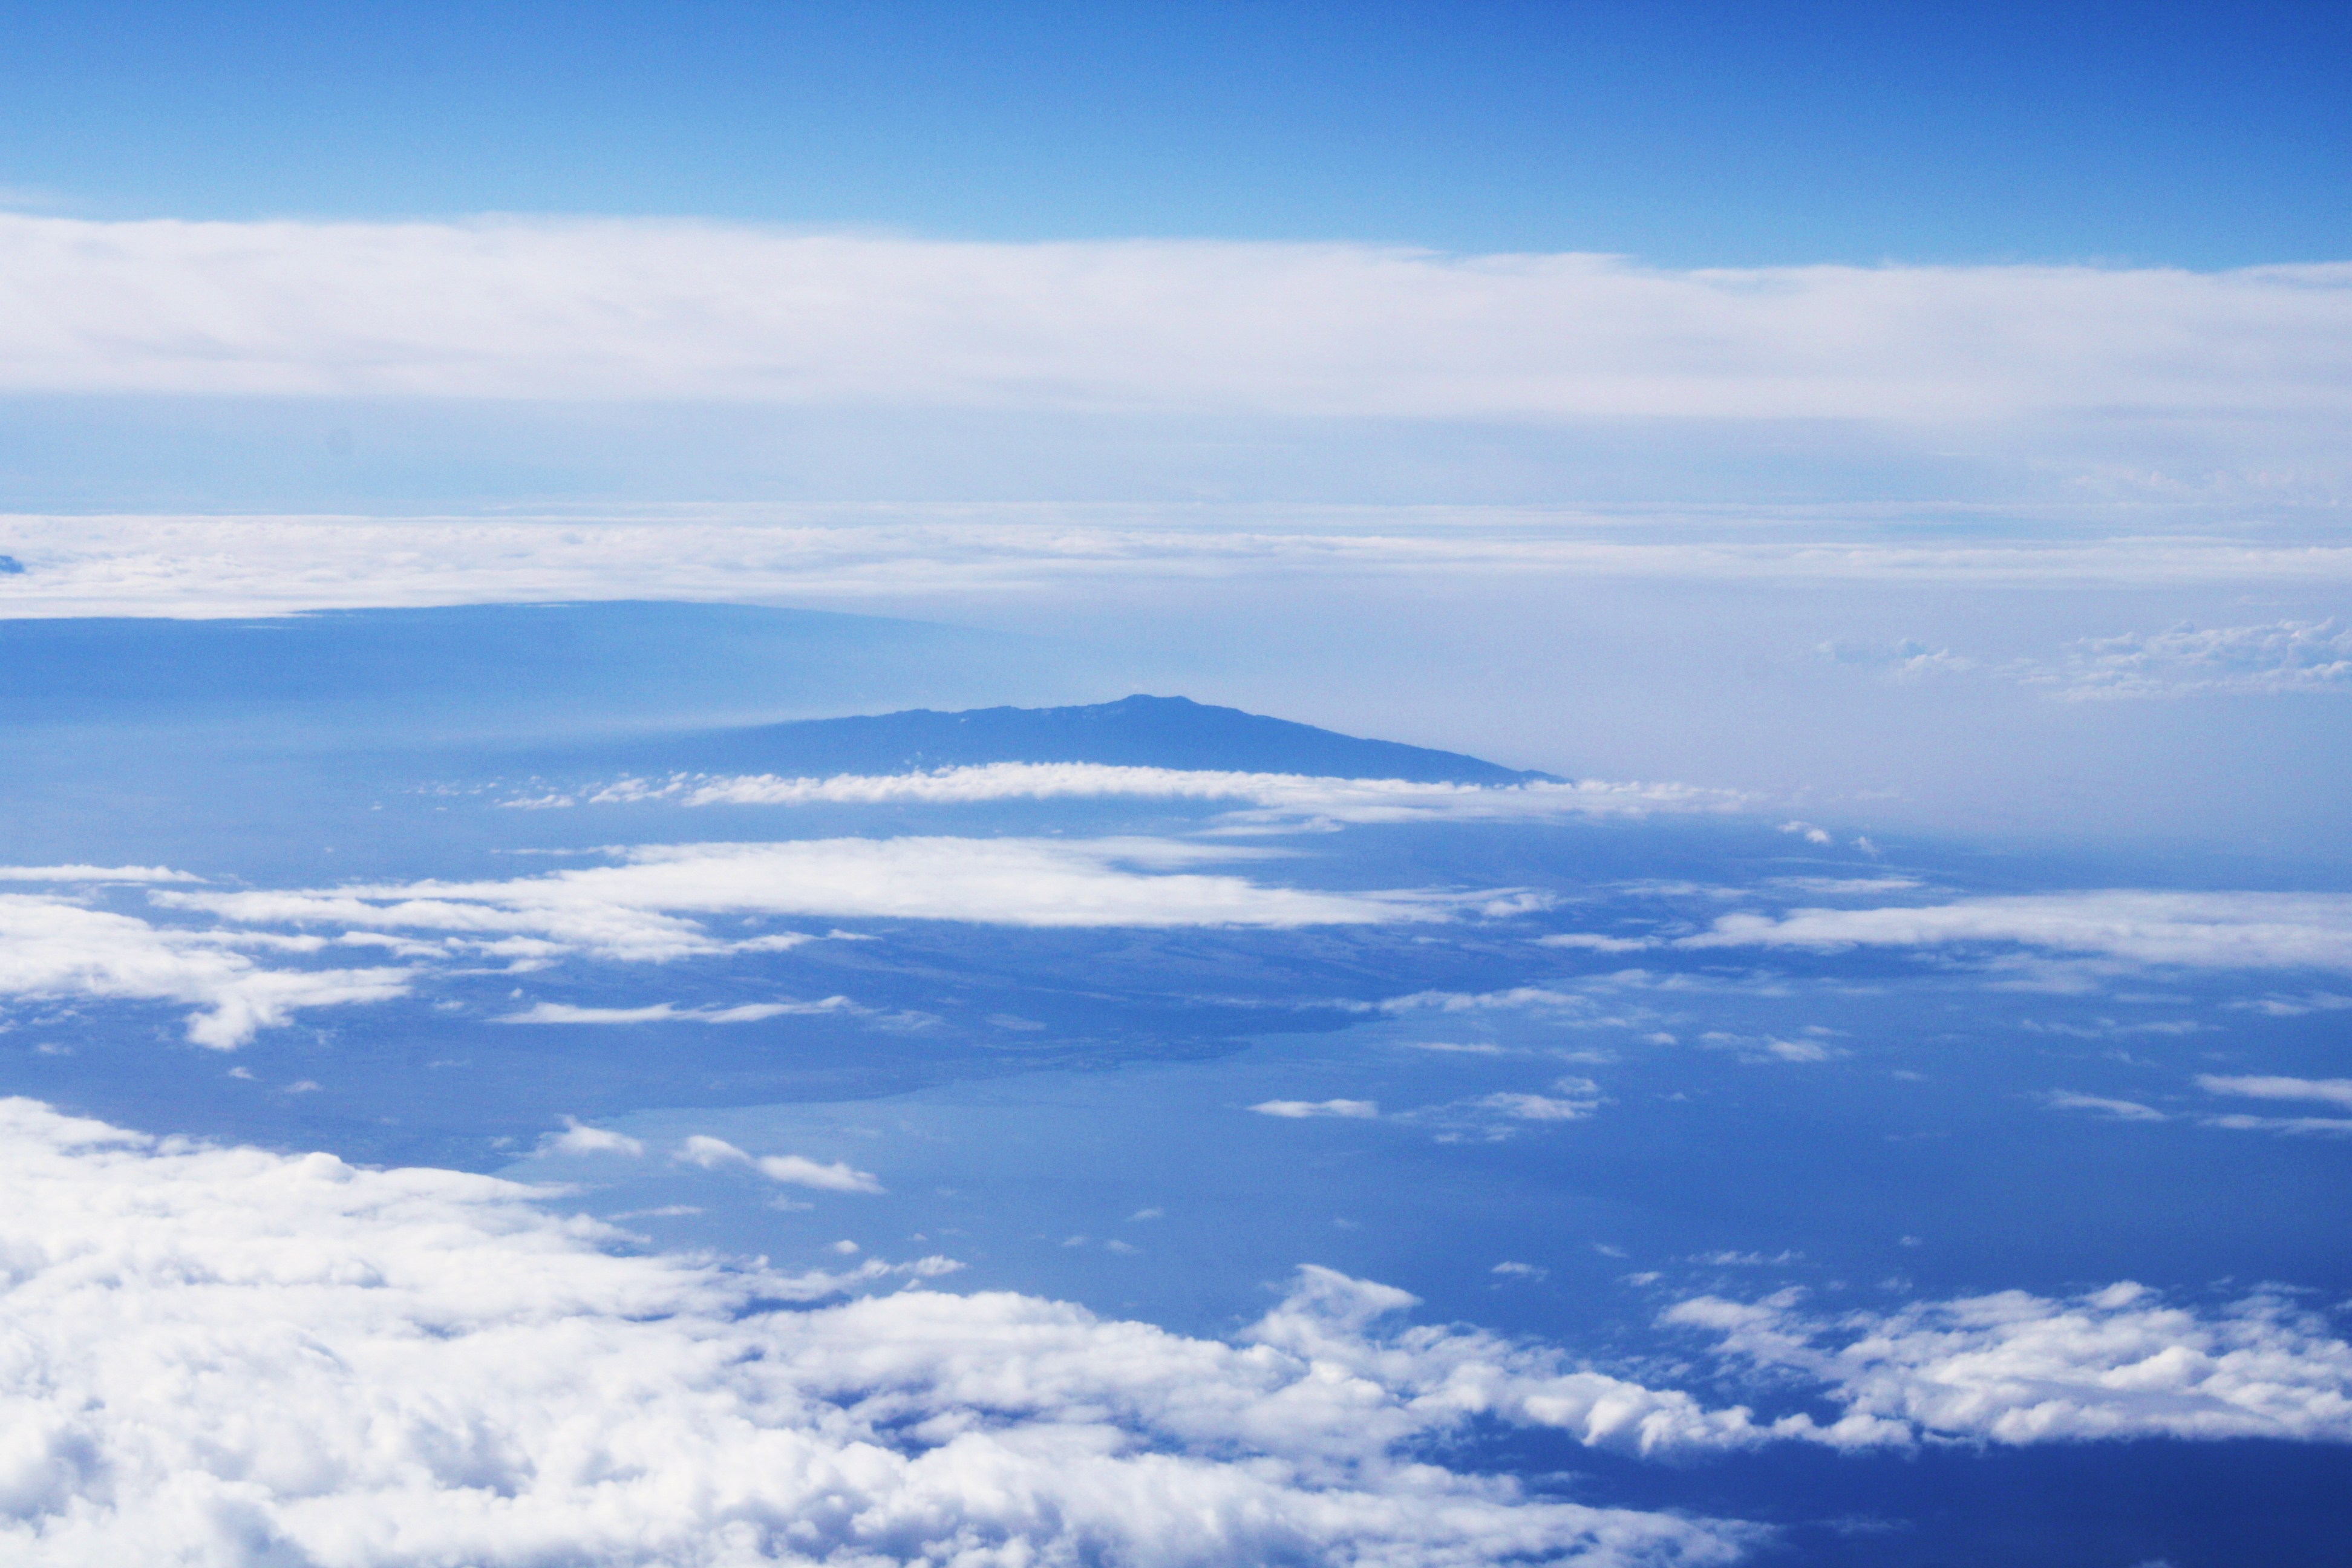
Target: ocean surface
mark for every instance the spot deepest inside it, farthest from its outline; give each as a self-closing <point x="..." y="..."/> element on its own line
<point x="1144" y="1004"/>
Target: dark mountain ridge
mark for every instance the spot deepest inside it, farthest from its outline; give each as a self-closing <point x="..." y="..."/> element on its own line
<point x="1134" y="731"/>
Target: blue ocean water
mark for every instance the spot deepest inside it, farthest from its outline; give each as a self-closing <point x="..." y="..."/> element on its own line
<point x="1554" y="1142"/>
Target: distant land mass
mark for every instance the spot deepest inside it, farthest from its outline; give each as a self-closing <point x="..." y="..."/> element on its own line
<point x="1134" y="731"/>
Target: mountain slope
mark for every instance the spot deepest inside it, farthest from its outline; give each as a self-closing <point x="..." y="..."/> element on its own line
<point x="1135" y="731"/>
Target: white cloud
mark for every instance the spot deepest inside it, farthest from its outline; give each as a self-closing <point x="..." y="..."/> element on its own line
<point x="1495" y="1118"/>
<point x="1768" y="1048"/>
<point x="799" y="1171"/>
<point x="195" y="566"/>
<point x="639" y="909"/>
<point x="2335" y="1091"/>
<point x="2016" y="1368"/>
<point x="2116" y="1109"/>
<point x="2327" y="1091"/>
<point x="241" y="1358"/>
<point x="666" y="1012"/>
<point x="2293" y="1126"/>
<point x="2226" y="931"/>
<point x="634" y="310"/>
<point x="52" y="948"/>
<point x="1277" y="797"/>
<point x="1299" y="1108"/>
<point x="2278" y="1006"/>
<point x="710" y="1154"/>
<point x="793" y="1169"/>
<point x="2285" y="655"/>
<point x="578" y="1138"/>
<point x="1518" y="998"/>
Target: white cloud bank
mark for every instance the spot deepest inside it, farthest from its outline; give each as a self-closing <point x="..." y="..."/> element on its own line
<point x="1273" y="797"/>
<point x="52" y="949"/>
<point x="212" y="567"/>
<point x="235" y="1359"/>
<point x="640" y="907"/>
<point x="2016" y="1368"/>
<point x="2206" y="930"/>
<point x="229" y="1357"/>
<point x="623" y="310"/>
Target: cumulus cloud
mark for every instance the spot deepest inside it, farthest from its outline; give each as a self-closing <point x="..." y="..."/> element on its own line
<point x="579" y="1138"/>
<point x="2214" y="931"/>
<point x="2285" y="655"/>
<point x="52" y="949"/>
<point x="230" y="1356"/>
<point x="1298" y="1110"/>
<point x="238" y="1358"/>
<point x="634" y="309"/>
<point x="641" y="907"/>
<point x="2016" y="1368"/>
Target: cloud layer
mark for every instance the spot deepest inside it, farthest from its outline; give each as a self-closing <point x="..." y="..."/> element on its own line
<point x="2018" y="1368"/>
<point x="226" y="1357"/>
<point x="54" y="950"/>
<point x="639" y="309"/>
<point x="2223" y="931"/>
<point x="641" y="909"/>
<point x="211" y="566"/>
<point x="1274" y="797"/>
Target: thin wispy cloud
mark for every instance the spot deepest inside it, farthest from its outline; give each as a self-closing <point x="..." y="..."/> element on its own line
<point x="2206" y="930"/>
<point x="670" y="1012"/>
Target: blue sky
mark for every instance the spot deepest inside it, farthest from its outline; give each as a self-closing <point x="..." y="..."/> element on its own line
<point x="1683" y="134"/>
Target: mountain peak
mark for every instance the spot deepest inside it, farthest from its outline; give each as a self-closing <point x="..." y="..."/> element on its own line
<point x="1137" y="730"/>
